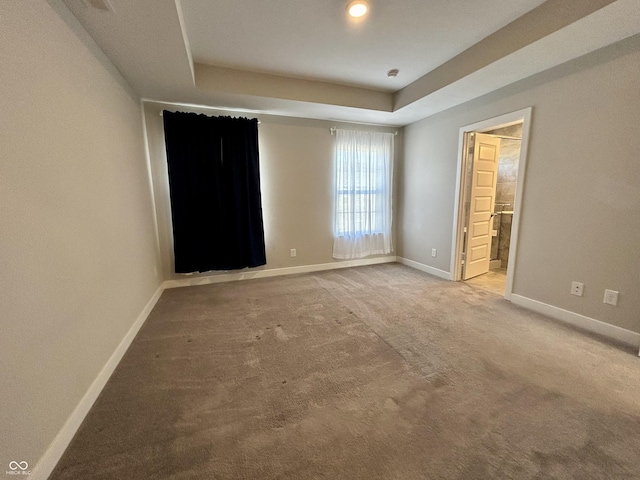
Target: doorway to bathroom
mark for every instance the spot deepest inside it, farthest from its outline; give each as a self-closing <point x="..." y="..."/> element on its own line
<point x="489" y="196"/>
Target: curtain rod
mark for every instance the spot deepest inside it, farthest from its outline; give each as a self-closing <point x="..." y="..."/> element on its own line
<point x="205" y="114"/>
<point x="333" y="131"/>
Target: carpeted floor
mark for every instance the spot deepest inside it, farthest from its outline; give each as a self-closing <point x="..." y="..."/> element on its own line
<point x="378" y="372"/>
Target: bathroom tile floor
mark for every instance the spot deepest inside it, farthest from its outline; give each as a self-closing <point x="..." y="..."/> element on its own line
<point x="494" y="281"/>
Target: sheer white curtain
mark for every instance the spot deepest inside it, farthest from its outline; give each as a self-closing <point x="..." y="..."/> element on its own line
<point x="362" y="198"/>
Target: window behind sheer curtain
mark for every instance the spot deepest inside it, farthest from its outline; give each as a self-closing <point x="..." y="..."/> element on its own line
<point x="363" y="178"/>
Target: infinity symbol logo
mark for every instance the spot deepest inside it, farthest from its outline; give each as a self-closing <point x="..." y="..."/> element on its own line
<point x="18" y="465"/>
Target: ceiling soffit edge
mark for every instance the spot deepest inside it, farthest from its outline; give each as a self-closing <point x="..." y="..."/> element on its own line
<point x="229" y="80"/>
<point x="540" y="22"/>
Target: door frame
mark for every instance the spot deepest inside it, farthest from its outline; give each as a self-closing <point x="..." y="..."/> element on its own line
<point x="521" y="116"/>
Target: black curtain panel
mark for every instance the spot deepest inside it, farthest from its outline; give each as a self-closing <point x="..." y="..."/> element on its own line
<point x="214" y="182"/>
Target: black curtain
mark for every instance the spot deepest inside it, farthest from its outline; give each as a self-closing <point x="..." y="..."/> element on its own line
<point x="214" y="181"/>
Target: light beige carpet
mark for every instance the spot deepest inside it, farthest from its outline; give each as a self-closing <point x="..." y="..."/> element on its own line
<point x="379" y="372"/>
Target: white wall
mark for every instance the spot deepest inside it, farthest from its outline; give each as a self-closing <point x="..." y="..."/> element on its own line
<point x="581" y="202"/>
<point x="77" y="250"/>
<point x="296" y="173"/>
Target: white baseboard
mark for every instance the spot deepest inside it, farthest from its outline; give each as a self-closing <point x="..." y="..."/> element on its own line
<point x="52" y="456"/>
<point x="425" y="268"/>
<point x="273" y="272"/>
<point x="590" y="324"/>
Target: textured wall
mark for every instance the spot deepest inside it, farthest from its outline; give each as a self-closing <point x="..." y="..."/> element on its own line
<point x="77" y="248"/>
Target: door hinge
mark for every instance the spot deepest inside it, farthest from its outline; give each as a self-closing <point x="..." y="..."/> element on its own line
<point x="471" y="150"/>
<point x="463" y="256"/>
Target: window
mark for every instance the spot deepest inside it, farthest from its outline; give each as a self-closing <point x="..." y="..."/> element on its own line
<point x="363" y="177"/>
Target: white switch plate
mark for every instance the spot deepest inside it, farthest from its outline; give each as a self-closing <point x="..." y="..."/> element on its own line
<point x="293" y="252"/>
<point x="610" y="297"/>
<point x="434" y="252"/>
<point x="577" y="288"/>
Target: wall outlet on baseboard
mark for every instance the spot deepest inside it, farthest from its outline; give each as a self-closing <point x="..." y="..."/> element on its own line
<point x="577" y="288"/>
<point x="610" y="297"/>
<point x="294" y="252"/>
<point x="434" y="252"/>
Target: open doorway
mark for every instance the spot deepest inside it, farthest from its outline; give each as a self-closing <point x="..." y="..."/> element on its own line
<point x="491" y="172"/>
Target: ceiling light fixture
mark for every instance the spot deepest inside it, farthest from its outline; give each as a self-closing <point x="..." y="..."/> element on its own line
<point x="358" y="8"/>
<point x="393" y="73"/>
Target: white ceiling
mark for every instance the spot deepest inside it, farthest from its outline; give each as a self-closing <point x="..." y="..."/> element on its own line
<point x="304" y="58"/>
<point x="315" y="39"/>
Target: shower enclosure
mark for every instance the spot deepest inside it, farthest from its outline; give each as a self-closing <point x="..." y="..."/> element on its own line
<point x="502" y="216"/>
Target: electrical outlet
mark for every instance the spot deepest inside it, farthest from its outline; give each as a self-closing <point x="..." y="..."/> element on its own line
<point x="610" y="297"/>
<point x="577" y="288"/>
<point x="293" y="252"/>
<point x="434" y="252"/>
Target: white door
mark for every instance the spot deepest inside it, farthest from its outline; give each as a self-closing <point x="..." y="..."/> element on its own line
<point x="486" y="152"/>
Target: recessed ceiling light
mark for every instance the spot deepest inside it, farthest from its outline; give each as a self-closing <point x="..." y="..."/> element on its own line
<point x="358" y="8"/>
<point x="393" y="73"/>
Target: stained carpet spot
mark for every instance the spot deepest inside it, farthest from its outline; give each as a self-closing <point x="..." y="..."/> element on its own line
<point x="391" y="404"/>
<point x="281" y="335"/>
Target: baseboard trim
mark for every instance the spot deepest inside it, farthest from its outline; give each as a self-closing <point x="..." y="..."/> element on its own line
<point x="274" y="272"/>
<point x="587" y="323"/>
<point x="52" y="456"/>
<point x="425" y="268"/>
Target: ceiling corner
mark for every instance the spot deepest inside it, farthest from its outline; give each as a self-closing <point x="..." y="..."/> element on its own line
<point x="185" y="38"/>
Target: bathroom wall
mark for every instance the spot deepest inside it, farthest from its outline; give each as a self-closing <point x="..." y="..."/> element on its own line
<point x="508" y="166"/>
<point x="506" y="190"/>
